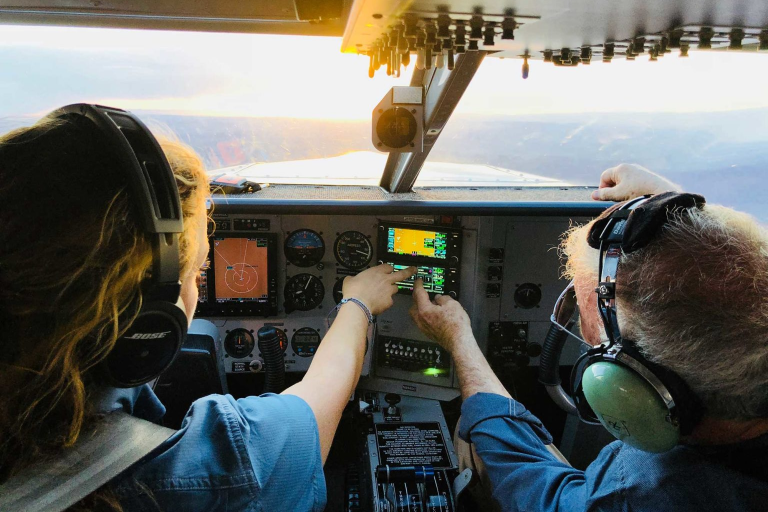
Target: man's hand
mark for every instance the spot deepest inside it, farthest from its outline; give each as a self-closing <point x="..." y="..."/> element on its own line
<point x="626" y="181"/>
<point x="443" y="321"/>
<point x="376" y="286"/>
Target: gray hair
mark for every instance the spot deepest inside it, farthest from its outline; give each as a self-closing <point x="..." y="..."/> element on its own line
<point x="695" y="300"/>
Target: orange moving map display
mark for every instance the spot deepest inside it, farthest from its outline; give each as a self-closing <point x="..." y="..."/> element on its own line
<point x="240" y="268"/>
<point x="415" y="242"/>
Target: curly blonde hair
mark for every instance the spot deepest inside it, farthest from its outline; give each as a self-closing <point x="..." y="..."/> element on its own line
<point x="72" y="263"/>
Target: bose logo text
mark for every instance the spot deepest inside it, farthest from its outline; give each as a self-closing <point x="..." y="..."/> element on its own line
<point x="148" y="335"/>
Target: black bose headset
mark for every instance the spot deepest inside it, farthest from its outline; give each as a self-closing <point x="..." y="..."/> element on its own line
<point x="639" y="402"/>
<point x="153" y="340"/>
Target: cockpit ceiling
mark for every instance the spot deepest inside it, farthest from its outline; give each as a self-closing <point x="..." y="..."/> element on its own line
<point x="542" y="28"/>
<point x="292" y="17"/>
<point x="553" y="28"/>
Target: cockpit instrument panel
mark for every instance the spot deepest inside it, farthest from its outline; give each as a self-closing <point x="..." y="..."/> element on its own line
<point x="274" y="269"/>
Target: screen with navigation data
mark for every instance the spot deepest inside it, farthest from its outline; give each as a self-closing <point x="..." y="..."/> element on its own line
<point x="241" y="270"/>
<point x="433" y="278"/>
<point x="417" y="242"/>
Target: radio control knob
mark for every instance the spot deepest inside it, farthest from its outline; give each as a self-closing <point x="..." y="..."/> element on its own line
<point x="452" y="294"/>
<point x="454" y="259"/>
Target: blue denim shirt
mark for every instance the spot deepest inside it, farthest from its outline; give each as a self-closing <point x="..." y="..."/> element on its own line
<point x="257" y="453"/>
<point x="526" y="477"/>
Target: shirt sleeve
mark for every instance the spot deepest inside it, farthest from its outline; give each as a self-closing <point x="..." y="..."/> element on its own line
<point x="283" y="444"/>
<point x="524" y="475"/>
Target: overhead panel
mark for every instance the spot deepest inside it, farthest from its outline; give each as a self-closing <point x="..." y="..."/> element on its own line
<point x="564" y="32"/>
<point x="304" y="17"/>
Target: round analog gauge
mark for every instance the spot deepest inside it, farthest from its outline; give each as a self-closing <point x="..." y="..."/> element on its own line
<point x="527" y="296"/>
<point x="338" y="294"/>
<point x="304" y="248"/>
<point x="303" y="292"/>
<point x="239" y="343"/>
<point x="353" y="249"/>
<point x="305" y="342"/>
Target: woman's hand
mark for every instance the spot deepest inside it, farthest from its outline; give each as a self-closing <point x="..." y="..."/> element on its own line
<point x="375" y="286"/>
<point x="626" y="181"/>
<point x="443" y="320"/>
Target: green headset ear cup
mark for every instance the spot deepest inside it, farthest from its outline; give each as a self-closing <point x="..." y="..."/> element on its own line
<point x="629" y="407"/>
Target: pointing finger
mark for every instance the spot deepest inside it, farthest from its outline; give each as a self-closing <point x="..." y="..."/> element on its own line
<point x="442" y="300"/>
<point x="402" y="275"/>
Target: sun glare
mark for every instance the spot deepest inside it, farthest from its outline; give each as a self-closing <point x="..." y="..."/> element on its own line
<point x="251" y="75"/>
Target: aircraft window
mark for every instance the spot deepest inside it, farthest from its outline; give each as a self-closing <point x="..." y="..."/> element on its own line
<point x="235" y="98"/>
<point x="700" y="121"/>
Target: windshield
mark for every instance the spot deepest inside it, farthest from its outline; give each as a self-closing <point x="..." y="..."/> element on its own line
<point x="701" y="121"/>
<point x="235" y="98"/>
<point x="296" y="110"/>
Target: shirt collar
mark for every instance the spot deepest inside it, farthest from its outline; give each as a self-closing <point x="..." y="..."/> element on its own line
<point x="140" y="402"/>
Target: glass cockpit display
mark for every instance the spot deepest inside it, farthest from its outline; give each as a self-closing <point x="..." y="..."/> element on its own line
<point x="241" y="278"/>
<point x="433" y="278"/>
<point x="434" y="250"/>
<point x="416" y="242"/>
<point x="241" y="269"/>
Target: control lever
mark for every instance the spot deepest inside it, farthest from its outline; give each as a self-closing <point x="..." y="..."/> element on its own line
<point x="274" y="366"/>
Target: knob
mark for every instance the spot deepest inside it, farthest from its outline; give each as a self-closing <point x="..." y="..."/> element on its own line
<point x="256" y="365"/>
<point x="392" y="400"/>
<point x="454" y="259"/>
<point x="452" y="294"/>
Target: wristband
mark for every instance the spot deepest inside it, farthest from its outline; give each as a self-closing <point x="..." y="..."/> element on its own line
<point x="357" y="302"/>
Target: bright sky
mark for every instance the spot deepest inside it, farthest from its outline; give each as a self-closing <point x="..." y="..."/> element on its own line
<point x="266" y="76"/>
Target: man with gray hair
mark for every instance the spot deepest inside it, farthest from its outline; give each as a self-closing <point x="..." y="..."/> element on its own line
<point x="692" y="309"/>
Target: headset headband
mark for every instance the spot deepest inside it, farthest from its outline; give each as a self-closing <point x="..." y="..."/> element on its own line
<point x="625" y="228"/>
<point x="152" y="188"/>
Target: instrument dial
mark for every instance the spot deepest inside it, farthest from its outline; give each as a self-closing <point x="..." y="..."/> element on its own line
<point x="527" y="296"/>
<point x="338" y="292"/>
<point x="303" y="292"/>
<point x="353" y="250"/>
<point x="304" y="248"/>
<point x="239" y="343"/>
<point x="305" y="342"/>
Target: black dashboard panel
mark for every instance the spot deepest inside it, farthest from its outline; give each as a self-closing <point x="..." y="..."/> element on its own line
<point x="503" y="262"/>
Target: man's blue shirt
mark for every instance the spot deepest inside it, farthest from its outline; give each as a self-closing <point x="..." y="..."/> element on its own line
<point x="526" y="477"/>
<point x="252" y="454"/>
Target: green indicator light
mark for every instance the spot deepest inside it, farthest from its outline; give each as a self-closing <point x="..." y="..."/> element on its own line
<point x="435" y="372"/>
